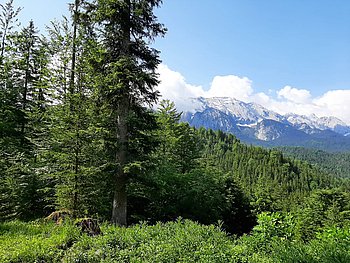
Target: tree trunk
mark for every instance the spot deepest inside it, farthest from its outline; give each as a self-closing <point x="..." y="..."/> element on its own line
<point x="119" y="210"/>
<point x="25" y="92"/>
<point x="72" y="107"/>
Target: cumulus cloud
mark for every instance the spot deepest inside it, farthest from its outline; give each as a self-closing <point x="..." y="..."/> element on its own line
<point x="173" y="86"/>
<point x="294" y="95"/>
<point x="230" y="86"/>
<point x="332" y="103"/>
<point x="335" y="103"/>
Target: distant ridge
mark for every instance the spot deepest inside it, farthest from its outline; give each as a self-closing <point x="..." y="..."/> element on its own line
<point x="253" y="123"/>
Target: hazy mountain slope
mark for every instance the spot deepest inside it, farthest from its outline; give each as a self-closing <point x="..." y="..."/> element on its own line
<point x="255" y="124"/>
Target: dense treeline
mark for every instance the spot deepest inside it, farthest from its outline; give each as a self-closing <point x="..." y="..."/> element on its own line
<point x="337" y="164"/>
<point x="281" y="181"/>
<point x="75" y="122"/>
<point x="78" y="133"/>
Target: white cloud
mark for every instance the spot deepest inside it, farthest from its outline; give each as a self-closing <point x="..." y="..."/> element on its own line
<point x="332" y="103"/>
<point x="230" y="86"/>
<point x="294" y="95"/>
<point x="336" y="103"/>
<point x="174" y="87"/>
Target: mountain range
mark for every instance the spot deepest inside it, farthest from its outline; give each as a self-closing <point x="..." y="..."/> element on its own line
<point x="255" y="124"/>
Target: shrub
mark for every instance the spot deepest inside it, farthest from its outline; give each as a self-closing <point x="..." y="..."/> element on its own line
<point x="180" y="241"/>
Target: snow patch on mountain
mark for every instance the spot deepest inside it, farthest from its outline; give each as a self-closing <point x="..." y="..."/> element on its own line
<point x="250" y="114"/>
<point x="313" y="122"/>
<point x="244" y="113"/>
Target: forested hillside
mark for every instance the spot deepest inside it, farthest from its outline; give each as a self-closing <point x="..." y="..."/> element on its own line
<point x="337" y="164"/>
<point x="264" y="171"/>
<point x="79" y="134"/>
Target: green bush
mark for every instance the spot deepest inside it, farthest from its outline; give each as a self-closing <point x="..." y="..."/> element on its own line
<point x="275" y="226"/>
<point x="180" y="241"/>
<point x="332" y="245"/>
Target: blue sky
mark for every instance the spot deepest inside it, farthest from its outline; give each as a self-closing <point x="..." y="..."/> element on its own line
<point x="303" y="43"/>
<point x="41" y="11"/>
<point x="285" y="54"/>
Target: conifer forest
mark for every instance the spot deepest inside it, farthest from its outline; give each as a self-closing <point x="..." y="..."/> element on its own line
<point x="85" y="137"/>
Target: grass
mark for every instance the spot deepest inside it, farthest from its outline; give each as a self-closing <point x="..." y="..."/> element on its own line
<point x="179" y="241"/>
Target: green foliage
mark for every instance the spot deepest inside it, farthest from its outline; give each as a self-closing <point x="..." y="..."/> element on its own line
<point x="275" y="226"/>
<point x="35" y="241"/>
<point x="181" y="241"/>
<point x="195" y="195"/>
<point x="331" y="245"/>
<point x="271" y="181"/>
<point x="22" y="110"/>
<point x="324" y="208"/>
<point x="274" y="239"/>
<point x="179" y="143"/>
<point x="77" y="131"/>
<point x="122" y="74"/>
<point x="337" y="164"/>
<point x="180" y="185"/>
<point x="178" y="241"/>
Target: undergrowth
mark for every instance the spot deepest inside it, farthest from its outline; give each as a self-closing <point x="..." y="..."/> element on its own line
<point x="179" y="241"/>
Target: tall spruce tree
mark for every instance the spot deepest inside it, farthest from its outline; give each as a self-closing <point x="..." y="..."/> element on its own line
<point x="124" y="77"/>
<point x="9" y="113"/>
<point x="179" y="143"/>
<point x="24" y="61"/>
<point x="69" y="154"/>
<point x="8" y="18"/>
